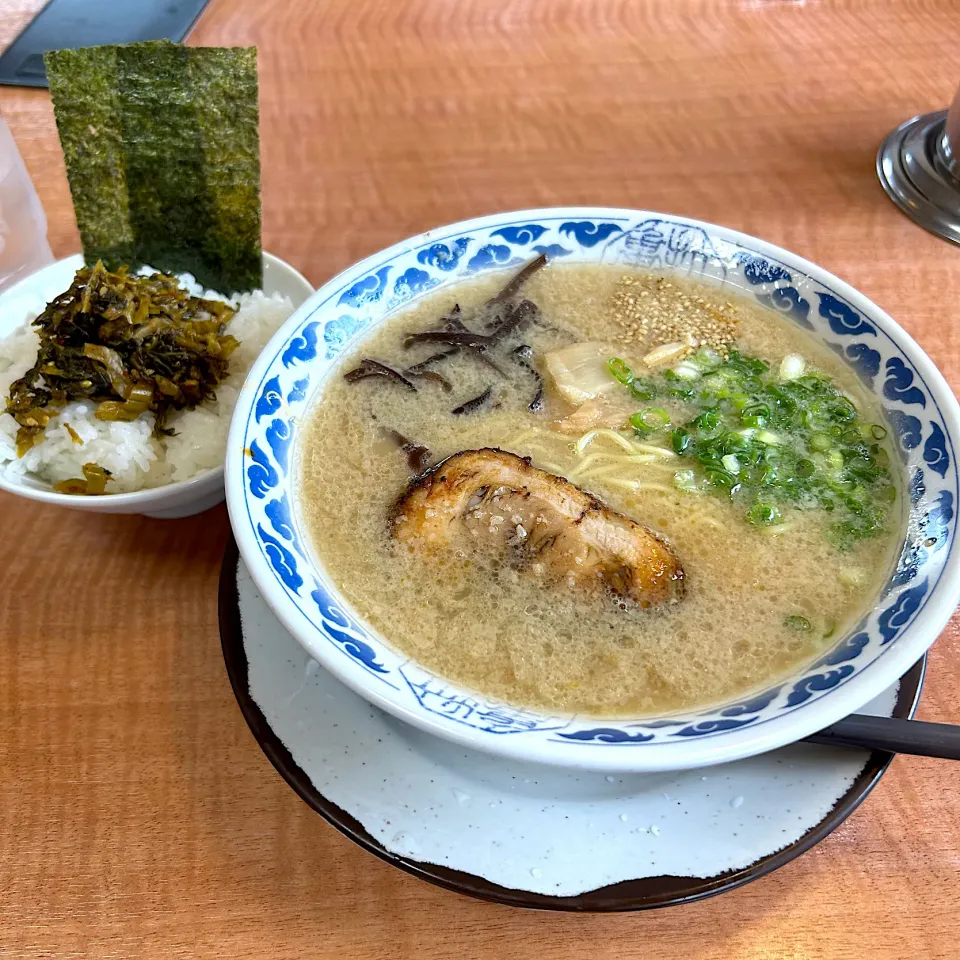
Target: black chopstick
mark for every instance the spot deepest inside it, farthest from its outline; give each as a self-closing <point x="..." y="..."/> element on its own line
<point x="889" y="734"/>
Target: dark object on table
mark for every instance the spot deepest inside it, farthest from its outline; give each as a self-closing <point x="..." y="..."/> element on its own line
<point x="919" y="167"/>
<point x="69" y="24"/>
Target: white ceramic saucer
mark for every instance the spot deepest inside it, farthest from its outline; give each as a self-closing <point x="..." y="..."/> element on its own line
<point x="522" y="834"/>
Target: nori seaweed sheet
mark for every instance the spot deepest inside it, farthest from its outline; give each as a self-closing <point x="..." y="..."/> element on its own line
<point x="162" y="149"/>
<point x="93" y="148"/>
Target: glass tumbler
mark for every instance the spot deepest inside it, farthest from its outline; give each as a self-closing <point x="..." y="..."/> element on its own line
<point x="23" y="226"/>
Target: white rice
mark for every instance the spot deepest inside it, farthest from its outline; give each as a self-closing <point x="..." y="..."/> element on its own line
<point x="129" y="451"/>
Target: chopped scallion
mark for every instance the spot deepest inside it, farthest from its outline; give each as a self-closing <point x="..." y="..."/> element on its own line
<point x="686" y="371"/>
<point x="770" y="441"/>
<point x="686" y="480"/>
<point x="763" y="514"/>
<point x="620" y="370"/>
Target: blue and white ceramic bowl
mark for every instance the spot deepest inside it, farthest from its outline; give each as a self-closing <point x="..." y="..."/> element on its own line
<point x="290" y="375"/>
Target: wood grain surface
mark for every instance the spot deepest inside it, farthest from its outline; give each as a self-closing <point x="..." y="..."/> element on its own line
<point x="138" y="818"/>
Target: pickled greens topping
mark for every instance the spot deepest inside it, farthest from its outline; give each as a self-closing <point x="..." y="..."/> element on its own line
<point x="130" y="345"/>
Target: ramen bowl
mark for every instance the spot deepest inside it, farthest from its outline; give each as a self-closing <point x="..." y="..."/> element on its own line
<point x="919" y="407"/>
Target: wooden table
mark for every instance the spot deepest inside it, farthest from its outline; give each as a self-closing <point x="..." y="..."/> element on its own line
<point x="138" y="818"/>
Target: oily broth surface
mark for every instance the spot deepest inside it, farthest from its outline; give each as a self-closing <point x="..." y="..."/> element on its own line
<point x="477" y="621"/>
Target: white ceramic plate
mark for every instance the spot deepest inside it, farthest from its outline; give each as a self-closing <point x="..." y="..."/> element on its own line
<point x="489" y="828"/>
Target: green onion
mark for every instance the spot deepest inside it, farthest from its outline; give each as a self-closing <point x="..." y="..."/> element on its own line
<point x="686" y="371"/>
<point x="755" y="415"/>
<point x="706" y="358"/>
<point x="686" y="480"/>
<point x="770" y="440"/>
<point x="642" y="389"/>
<point x="707" y="421"/>
<point x="653" y="418"/>
<point x="796" y="622"/>
<point x="763" y="514"/>
<point x="636" y="421"/>
<point x="720" y="478"/>
<point x="620" y="370"/>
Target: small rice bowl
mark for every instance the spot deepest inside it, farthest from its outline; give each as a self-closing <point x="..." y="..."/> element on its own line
<point x="135" y="458"/>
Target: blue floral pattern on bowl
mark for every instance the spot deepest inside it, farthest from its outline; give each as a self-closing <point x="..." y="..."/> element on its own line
<point x="308" y="349"/>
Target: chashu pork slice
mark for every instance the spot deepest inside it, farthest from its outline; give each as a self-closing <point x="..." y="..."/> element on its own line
<point x="544" y="523"/>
